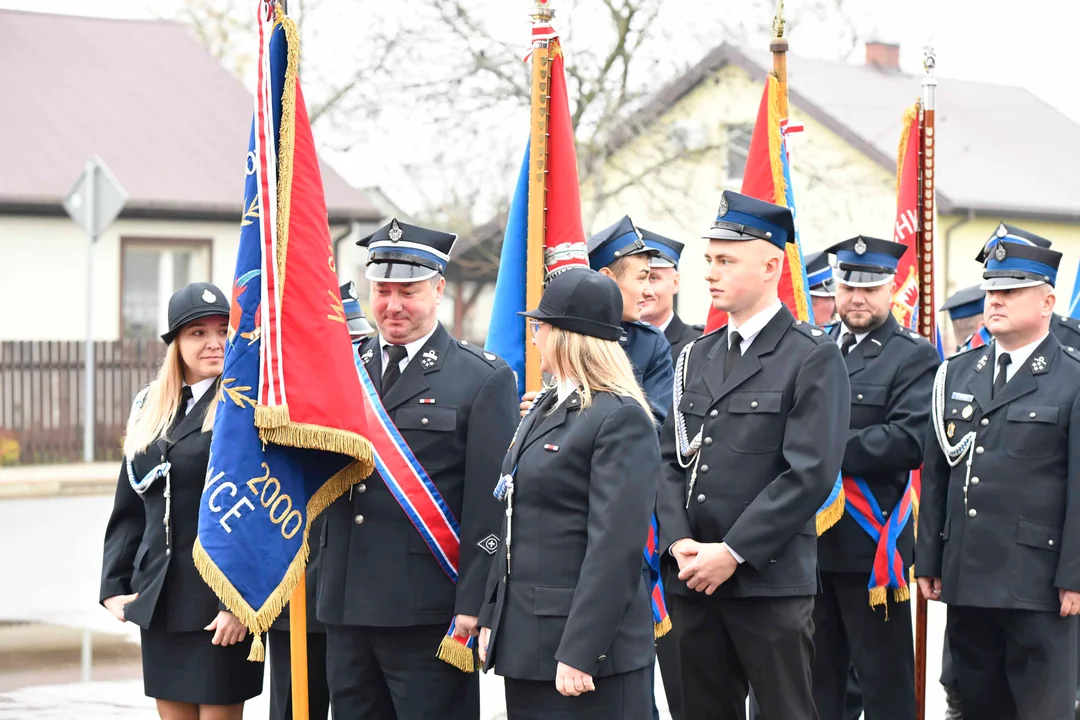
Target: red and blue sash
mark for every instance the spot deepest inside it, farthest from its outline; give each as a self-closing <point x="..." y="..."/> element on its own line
<point x="423" y="504"/>
<point x="661" y="621"/>
<point x="888" y="571"/>
<point x="980" y="338"/>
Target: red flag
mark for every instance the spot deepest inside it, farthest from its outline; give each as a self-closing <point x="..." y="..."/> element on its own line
<point x="906" y="296"/>
<point x="768" y="177"/>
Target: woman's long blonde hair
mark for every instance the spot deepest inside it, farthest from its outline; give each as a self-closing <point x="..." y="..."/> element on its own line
<point x="160" y="404"/>
<point x="599" y="365"/>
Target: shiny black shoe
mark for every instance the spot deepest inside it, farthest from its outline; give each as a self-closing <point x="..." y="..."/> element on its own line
<point x="952" y="705"/>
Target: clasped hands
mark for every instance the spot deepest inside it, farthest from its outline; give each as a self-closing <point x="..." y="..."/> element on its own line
<point x="704" y="566"/>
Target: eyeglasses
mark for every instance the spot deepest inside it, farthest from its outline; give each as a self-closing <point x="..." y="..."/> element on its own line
<point x="534" y="325"/>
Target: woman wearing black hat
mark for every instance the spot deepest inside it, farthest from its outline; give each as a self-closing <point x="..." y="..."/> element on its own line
<point x="194" y="651"/>
<point x="568" y="622"/>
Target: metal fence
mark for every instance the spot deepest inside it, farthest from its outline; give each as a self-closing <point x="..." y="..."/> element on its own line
<point x="42" y="395"/>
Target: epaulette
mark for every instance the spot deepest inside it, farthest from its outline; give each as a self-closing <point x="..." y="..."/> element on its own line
<point x="489" y="357"/>
<point x="910" y="335"/>
<point x="1075" y="325"/>
<point x="1071" y="352"/>
<point x="813" y="332"/>
<point x="140" y="398"/>
<point x="699" y="328"/>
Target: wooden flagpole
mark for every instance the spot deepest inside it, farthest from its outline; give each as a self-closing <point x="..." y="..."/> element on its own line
<point x="924" y="263"/>
<point x="779" y="47"/>
<point x="541" y="14"/>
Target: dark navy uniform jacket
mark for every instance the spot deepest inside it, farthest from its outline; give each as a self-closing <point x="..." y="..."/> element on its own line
<point x="678" y="333"/>
<point x="375" y="568"/>
<point x="1007" y="535"/>
<point x="650" y="354"/>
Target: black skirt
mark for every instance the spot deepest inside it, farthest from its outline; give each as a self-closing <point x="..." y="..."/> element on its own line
<point x="627" y="696"/>
<point x="187" y="667"/>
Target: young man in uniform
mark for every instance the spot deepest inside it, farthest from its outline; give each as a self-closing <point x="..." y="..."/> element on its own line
<point x="819" y="277"/>
<point x="659" y="308"/>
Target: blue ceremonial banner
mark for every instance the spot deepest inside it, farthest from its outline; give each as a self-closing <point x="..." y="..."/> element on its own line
<point x="286" y="442"/>
<point x="506" y="329"/>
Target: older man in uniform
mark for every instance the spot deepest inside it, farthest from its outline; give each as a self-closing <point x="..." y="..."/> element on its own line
<point x="999" y="538"/>
<point x="386" y="599"/>
<point x="664" y="279"/>
<point x="891" y="371"/>
<point x="751" y="450"/>
<point x="819" y="277"/>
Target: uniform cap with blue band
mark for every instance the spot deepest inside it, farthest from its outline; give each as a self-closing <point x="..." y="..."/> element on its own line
<point x="398" y="252"/>
<point x="866" y="261"/>
<point x="741" y="217"/>
<point x="1013" y="265"/>
<point x="354" y="315"/>
<point x="965" y="303"/>
<point x="668" y="251"/>
<point x="1010" y="234"/>
<point x="819" y="275"/>
<point x="616" y="242"/>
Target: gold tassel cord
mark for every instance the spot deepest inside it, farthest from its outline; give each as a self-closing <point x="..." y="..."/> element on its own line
<point x="258" y="650"/>
<point x="832" y="514"/>
<point x="661" y="628"/>
<point x="456" y="654"/>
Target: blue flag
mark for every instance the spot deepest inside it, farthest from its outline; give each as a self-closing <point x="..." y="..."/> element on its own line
<point x="284" y="445"/>
<point x="506" y="330"/>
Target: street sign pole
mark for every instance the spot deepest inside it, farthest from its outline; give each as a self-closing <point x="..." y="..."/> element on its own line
<point x="95" y="200"/>
<point x="88" y="410"/>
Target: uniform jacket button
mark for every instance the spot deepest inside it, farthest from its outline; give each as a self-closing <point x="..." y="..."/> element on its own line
<point x="423" y="421"/>
<point x="974" y="481"/>
<point x="361" y="488"/>
<point x="359" y="519"/>
<point x="979" y="450"/>
<point x="972" y="512"/>
<point x="704" y="469"/>
<point x="859" y="396"/>
<point x="714" y="413"/>
<point x="753" y="404"/>
<point x="708" y="441"/>
<point x="984" y="422"/>
<point x="602" y="658"/>
<point x="700" y="499"/>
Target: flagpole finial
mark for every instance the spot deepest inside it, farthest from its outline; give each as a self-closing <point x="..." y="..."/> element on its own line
<point x="542" y="10"/>
<point x="778" y="20"/>
<point x="929" y="59"/>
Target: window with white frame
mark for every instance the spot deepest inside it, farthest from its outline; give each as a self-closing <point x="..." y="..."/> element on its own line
<point x="151" y="271"/>
<point x="738" y="147"/>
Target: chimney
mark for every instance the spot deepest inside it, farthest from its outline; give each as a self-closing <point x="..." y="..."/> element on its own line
<point x="885" y="56"/>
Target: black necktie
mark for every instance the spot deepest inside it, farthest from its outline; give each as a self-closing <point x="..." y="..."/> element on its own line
<point x="847" y="343"/>
<point x="181" y="411"/>
<point x="734" y="353"/>
<point x="1002" y="374"/>
<point x="396" y="353"/>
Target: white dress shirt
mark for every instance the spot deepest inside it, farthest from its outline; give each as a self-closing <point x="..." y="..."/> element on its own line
<point x="197" y="391"/>
<point x="565" y="389"/>
<point x="1017" y="357"/>
<point x="753" y="327"/>
<point x="410" y="349"/>
<point x="844" y="331"/>
<point x="662" y="327"/>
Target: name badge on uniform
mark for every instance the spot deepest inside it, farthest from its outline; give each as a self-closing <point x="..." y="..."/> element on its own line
<point x="962" y="397"/>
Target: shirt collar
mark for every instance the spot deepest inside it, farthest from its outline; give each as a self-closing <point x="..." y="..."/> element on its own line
<point x="844" y="331"/>
<point x="662" y="327"/>
<point x="199" y="389"/>
<point x="566" y="388"/>
<point x="1019" y="356"/>
<point x="410" y="348"/>
<point x="750" y="329"/>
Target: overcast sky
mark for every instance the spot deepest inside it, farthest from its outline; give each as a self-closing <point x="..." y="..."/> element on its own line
<point x="1026" y="45"/>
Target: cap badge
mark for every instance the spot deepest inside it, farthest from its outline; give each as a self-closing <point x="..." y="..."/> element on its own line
<point x="209" y="297"/>
<point x="395" y="231"/>
<point x="1001" y="252"/>
<point x="860" y="247"/>
<point x="722" y="210"/>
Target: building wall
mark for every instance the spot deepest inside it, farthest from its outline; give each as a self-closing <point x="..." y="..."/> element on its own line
<point x="43" y="272"/>
<point x="839" y="192"/>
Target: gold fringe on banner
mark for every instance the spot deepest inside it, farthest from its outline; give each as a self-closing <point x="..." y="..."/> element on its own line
<point x="286" y="143"/>
<point x="258" y="650"/>
<point x="909" y="116"/>
<point x="832" y="514"/>
<point x="456" y="654"/>
<point x="271" y="416"/>
<point x="662" y="628"/>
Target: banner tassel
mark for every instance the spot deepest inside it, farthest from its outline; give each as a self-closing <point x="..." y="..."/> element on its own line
<point x="453" y="652"/>
<point x="662" y="628"/>
<point x="830" y="515"/>
<point x="258" y="651"/>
